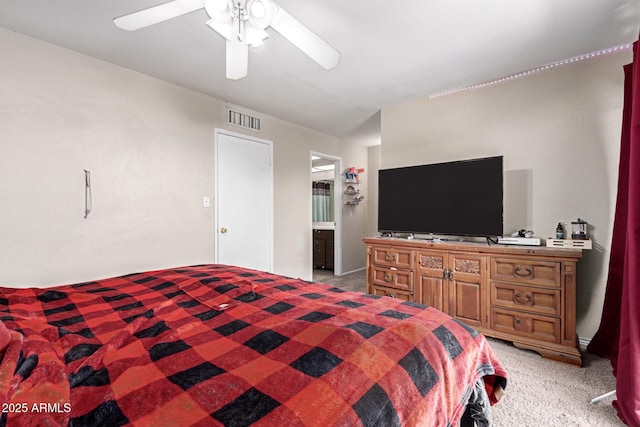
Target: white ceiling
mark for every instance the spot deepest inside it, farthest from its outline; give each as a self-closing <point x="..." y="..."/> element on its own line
<point x="392" y="52"/>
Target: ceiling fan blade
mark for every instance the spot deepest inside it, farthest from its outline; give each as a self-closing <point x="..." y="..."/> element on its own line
<point x="222" y="29"/>
<point x="304" y="39"/>
<point x="157" y="14"/>
<point x="237" y="59"/>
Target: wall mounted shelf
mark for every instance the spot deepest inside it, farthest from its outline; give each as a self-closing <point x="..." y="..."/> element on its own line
<point x="352" y="182"/>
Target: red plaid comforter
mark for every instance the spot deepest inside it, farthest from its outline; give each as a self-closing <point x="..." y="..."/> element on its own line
<point x="218" y="345"/>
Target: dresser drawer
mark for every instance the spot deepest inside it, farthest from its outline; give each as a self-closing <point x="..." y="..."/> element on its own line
<point x="390" y="292"/>
<point x="532" y="272"/>
<point x="393" y="278"/>
<point x="435" y="261"/>
<point x="542" y="328"/>
<point x="399" y="258"/>
<point x="531" y="299"/>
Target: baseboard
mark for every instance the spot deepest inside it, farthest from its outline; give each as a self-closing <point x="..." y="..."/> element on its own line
<point x="344" y="273"/>
<point x="584" y="342"/>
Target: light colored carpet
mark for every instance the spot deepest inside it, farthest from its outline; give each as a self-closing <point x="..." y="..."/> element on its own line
<point x="543" y="392"/>
<point x="540" y="392"/>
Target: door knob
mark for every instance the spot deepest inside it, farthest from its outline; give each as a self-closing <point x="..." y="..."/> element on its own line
<point x="223" y="230"/>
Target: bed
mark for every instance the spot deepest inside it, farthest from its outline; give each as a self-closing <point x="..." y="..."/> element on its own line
<point x="220" y="345"/>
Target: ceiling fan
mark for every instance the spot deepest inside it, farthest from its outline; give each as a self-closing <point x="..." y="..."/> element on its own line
<point x="242" y="23"/>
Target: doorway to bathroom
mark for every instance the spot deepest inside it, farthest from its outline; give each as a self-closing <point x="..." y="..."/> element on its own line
<point x="326" y="215"/>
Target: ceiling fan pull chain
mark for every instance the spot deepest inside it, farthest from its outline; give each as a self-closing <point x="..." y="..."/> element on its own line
<point x="240" y="14"/>
<point x="240" y="34"/>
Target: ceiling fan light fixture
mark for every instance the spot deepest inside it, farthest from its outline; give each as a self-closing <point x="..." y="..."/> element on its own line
<point x="219" y="10"/>
<point x="254" y="36"/>
<point x="260" y="13"/>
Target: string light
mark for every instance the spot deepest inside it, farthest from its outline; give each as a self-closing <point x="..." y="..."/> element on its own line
<point x="535" y="70"/>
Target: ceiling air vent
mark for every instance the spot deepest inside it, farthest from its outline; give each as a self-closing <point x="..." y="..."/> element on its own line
<point x="243" y="120"/>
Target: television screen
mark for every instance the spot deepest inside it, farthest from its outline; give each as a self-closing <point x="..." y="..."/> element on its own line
<point x="462" y="198"/>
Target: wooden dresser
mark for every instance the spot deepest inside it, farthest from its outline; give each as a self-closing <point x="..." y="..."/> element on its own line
<point x="523" y="294"/>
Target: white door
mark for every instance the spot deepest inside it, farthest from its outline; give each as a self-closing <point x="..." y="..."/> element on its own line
<point x="244" y="201"/>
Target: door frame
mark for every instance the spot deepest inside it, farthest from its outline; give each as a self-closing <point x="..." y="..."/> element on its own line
<point x="337" y="211"/>
<point x="218" y="131"/>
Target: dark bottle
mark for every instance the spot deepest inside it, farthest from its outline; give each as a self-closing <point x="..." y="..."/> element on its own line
<point x="559" y="231"/>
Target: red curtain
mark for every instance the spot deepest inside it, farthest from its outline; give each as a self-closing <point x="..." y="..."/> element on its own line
<point x="618" y="337"/>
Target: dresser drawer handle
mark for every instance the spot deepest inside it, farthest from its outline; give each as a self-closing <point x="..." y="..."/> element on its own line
<point x="390" y="277"/>
<point x="390" y="295"/>
<point x="391" y="257"/>
<point x="520" y="301"/>
<point x="525" y="274"/>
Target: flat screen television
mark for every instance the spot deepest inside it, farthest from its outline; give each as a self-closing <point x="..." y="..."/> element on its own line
<point x="460" y="198"/>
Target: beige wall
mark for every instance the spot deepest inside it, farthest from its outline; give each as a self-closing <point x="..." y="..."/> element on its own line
<point x="559" y="133"/>
<point x="374" y="166"/>
<point x="149" y="147"/>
